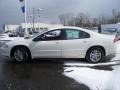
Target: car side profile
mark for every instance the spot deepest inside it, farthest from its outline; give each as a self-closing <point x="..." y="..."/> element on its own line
<point x="62" y="42"/>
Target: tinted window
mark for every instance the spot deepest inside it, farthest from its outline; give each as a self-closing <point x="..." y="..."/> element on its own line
<point x="51" y="35"/>
<point x="75" y="34"/>
<point x="84" y="35"/>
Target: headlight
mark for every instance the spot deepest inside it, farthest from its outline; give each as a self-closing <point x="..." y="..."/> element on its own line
<point x="3" y="44"/>
<point x="4" y="41"/>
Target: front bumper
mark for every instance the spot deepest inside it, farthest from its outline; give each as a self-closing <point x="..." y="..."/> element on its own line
<point x="4" y="51"/>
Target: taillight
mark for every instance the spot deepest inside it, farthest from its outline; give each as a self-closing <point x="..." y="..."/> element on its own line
<point x="116" y="39"/>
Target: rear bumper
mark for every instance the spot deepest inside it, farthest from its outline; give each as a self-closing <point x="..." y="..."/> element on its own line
<point x="110" y="50"/>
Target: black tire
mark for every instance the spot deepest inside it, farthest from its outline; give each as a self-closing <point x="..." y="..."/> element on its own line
<point x="24" y="52"/>
<point x="95" y="58"/>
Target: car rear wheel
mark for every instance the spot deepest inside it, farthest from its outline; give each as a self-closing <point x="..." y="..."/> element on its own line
<point x="95" y="55"/>
<point x="20" y="54"/>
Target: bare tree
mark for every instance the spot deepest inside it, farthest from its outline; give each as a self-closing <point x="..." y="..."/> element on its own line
<point x="65" y="19"/>
<point x="84" y="20"/>
<point x="95" y="22"/>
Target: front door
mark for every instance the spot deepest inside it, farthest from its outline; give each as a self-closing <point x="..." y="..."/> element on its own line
<point x="47" y="45"/>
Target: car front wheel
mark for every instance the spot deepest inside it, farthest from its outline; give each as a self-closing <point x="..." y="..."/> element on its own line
<point x="20" y="54"/>
<point x="95" y="55"/>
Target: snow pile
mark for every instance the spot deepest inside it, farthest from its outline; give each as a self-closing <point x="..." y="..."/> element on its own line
<point x="115" y="79"/>
<point x="95" y="79"/>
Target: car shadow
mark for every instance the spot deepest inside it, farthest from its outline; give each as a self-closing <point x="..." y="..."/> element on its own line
<point x="71" y="62"/>
<point x="38" y="74"/>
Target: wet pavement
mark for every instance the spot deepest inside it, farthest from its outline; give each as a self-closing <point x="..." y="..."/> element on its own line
<point x="35" y="75"/>
<point x="41" y="74"/>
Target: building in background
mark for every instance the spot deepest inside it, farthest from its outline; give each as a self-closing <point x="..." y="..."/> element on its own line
<point x="19" y="30"/>
<point x="10" y="28"/>
<point x="110" y="28"/>
<point x="38" y="27"/>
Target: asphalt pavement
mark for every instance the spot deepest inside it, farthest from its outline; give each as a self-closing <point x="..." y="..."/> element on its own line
<point x="42" y="74"/>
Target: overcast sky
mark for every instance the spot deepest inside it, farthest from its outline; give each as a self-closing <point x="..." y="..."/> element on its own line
<point x="10" y="11"/>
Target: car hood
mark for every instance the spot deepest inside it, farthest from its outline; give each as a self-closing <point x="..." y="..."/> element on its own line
<point x="19" y="41"/>
<point x="8" y="38"/>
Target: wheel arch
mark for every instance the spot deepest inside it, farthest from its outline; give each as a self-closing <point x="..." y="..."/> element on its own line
<point x="101" y="47"/>
<point x="22" y="46"/>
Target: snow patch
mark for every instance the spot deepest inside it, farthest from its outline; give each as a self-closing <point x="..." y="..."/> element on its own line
<point x="95" y="79"/>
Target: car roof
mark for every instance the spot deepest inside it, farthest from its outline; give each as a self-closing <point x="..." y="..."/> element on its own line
<point x="66" y="27"/>
<point x="73" y="27"/>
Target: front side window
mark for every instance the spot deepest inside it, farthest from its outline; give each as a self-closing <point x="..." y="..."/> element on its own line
<point x="48" y="36"/>
<point x="75" y="34"/>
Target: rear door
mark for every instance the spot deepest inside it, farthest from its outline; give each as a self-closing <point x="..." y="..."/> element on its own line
<point x="75" y="43"/>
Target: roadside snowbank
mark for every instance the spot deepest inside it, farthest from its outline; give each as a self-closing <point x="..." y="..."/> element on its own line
<point x="95" y="79"/>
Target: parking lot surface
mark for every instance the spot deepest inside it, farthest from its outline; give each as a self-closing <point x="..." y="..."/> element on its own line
<point x="53" y="74"/>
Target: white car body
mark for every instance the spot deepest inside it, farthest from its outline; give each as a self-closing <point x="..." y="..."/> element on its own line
<point x="75" y="48"/>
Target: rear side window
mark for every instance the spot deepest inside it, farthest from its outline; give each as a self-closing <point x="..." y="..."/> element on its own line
<point x="75" y="34"/>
